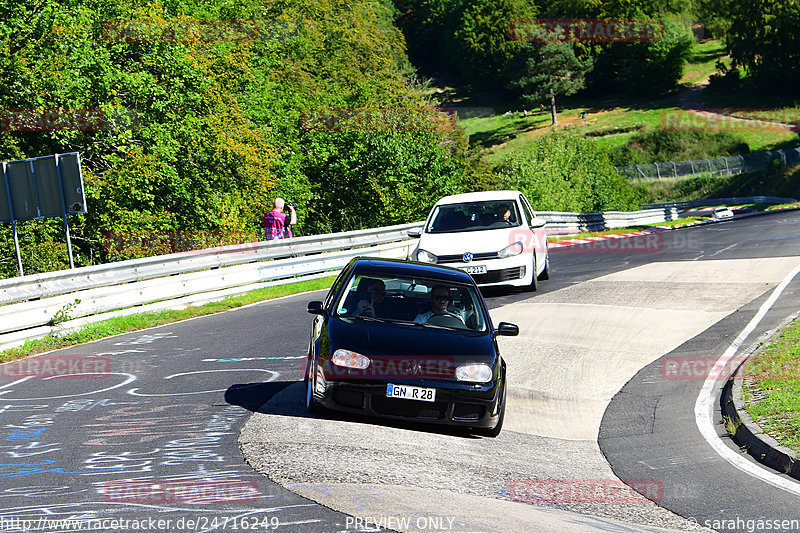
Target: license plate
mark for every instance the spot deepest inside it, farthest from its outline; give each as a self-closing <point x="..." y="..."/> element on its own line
<point x="410" y="393"/>
<point x="474" y="269"/>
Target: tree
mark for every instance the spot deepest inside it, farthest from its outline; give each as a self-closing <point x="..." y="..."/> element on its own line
<point x="763" y="38"/>
<point x="550" y="69"/>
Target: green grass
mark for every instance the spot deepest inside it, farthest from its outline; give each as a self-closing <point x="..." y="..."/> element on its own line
<point x="703" y="61"/>
<point x="124" y="324"/>
<point x="773" y="207"/>
<point x="776" y="380"/>
<point x="608" y="123"/>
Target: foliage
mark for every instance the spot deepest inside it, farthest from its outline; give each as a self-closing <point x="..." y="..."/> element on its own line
<point x="656" y="145"/>
<point x="645" y="68"/>
<point x="762" y="38"/>
<point x="564" y="172"/>
<point x="207" y="131"/>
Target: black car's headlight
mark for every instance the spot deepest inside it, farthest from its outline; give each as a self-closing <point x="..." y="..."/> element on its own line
<point x="349" y="359"/>
<point x="476" y="373"/>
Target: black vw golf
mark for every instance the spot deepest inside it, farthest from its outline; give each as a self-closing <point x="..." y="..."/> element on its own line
<point x="407" y="340"/>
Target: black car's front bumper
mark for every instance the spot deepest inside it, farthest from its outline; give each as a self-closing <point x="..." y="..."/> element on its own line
<point x="457" y="404"/>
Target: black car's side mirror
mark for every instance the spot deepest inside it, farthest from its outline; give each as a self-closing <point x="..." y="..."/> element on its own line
<point x="315" y="307"/>
<point x="507" y="329"/>
<point x="413" y="233"/>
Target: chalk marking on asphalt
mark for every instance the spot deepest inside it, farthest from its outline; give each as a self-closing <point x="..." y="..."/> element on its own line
<point x="703" y="408"/>
<point x="274" y="375"/>
<point x="724" y="249"/>
<point x="130" y="378"/>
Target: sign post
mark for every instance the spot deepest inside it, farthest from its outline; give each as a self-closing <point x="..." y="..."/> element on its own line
<point x="42" y="187"/>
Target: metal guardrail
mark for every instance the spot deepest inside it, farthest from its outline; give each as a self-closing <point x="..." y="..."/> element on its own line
<point x="31" y="302"/>
<point x="574" y="222"/>
<point x="723" y="201"/>
<point x="28" y="304"/>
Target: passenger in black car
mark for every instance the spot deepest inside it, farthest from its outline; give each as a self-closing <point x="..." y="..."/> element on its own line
<point x="372" y="298"/>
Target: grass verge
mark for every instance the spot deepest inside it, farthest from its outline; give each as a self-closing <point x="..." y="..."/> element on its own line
<point x="771" y="390"/>
<point x="149" y="319"/>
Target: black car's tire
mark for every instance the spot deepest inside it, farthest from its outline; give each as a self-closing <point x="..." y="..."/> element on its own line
<point x="546" y="272"/>
<point x="495" y="431"/>
<point x="534" y="279"/>
<point x="311" y="404"/>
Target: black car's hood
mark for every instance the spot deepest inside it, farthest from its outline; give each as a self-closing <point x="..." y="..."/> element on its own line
<point x="390" y="339"/>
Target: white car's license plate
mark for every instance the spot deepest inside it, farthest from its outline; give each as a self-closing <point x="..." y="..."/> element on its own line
<point x="474" y="269"/>
<point x="410" y="393"/>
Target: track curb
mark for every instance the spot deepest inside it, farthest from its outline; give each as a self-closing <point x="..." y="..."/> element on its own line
<point x="748" y="434"/>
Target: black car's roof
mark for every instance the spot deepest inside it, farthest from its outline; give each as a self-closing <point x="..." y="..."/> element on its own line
<point x="399" y="267"/>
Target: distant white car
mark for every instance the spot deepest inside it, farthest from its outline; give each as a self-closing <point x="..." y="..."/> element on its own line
<point x="722" y="213"/>
<point x="494" y="236"/>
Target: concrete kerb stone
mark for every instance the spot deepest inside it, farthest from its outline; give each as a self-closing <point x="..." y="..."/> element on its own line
<point x="748" y="434"/>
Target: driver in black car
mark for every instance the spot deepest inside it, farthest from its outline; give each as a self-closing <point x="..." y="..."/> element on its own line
<point x="439" y="298"/>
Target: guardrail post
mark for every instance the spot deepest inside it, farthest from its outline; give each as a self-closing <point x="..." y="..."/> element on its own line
<point x="674" y="170"/>
<point x="658" y="171"/>
<point x="727" y="168"/>
<point x="693" y="174"/>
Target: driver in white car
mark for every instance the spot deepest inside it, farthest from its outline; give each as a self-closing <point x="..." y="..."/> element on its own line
<point x="439" y="298"/>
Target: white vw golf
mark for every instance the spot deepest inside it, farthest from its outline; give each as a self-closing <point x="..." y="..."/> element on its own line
<point x="494" y="236"/>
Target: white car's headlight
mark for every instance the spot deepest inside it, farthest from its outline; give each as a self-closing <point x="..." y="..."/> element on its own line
<point x="510" y="250"/>
<point x="477" y="373"/>
<point x="349" y="359"/>
<point x="425" y="256"/>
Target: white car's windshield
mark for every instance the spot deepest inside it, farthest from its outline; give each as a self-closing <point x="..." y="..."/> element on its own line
<point x="417" y="301"/>
<point x="474" y="216"/>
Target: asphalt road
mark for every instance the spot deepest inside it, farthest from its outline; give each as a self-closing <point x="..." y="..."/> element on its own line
<point x="144" y="426"/>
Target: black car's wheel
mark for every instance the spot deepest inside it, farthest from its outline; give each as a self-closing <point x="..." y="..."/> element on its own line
<point x="546" y="272"/>
<point x="311" y="404"/>
<point x="495" y="431"/>
<point x="534" y="279"/>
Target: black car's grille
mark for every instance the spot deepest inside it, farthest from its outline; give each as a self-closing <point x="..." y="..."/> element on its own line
<point x="409" y="408"/>
<point x="460" y="257"/>
<point x="468" y="411"/>
<point x="496" y="276"/>
<point x="348" y="398"/>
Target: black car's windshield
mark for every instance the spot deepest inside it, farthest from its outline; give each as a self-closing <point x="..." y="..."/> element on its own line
<point x="474" y="216"/>
<point x="415" y="301"/>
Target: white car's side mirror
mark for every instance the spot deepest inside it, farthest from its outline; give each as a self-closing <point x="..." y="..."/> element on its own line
<point x="538" y="222"/>
<point x="413" y="233"/>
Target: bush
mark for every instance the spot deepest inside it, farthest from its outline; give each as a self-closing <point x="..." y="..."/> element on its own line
<point x="657" y="145"/>
<point x="564" y="172"/>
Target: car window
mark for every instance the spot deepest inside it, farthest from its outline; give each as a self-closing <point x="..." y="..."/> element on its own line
<point x="474" y="216"/>
<point x="408" y="300"/>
